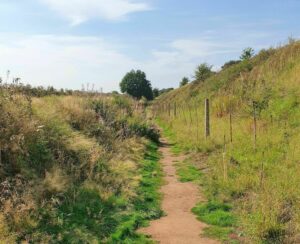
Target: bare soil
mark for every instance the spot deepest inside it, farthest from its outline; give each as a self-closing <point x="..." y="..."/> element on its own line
<point x="180" y="225"/>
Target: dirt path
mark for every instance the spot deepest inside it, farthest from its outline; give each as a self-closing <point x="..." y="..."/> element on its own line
<point x="180" y="226"/>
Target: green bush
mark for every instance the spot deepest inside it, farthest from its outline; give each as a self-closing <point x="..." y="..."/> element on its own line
<point x="144" y="130"/>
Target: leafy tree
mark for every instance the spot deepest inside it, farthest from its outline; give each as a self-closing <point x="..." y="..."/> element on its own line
<point x="165" y="90"/>
<point x="136" y="84"/>
<point x="203" y="71"/>
<point x="247" y="53"/>
<point x="184" y="81"/>
<point x="155" y="92"/>
<point x="230" y="63"/>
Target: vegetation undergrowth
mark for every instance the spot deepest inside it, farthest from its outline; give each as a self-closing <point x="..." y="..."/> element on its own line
<point x="147" y="202"/>
<point x="220" y="218"/>
<point x="75" y="169"/>
<point x="251" y="159"/>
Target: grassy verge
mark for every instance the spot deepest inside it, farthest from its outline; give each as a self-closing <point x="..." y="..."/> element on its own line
<point x="220" y="218"/>
<point x="168" y="133"/>
<point x="115" y="220"/>
<point x="76" y="169"/>
<point x="147" y="203"/>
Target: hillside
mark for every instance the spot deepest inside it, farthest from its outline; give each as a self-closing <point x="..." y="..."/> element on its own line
<point x="75" y="169"/>
<point x="250" y="162"/>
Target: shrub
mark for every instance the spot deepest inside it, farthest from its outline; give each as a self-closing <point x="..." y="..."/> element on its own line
<point x="144" y="130"/>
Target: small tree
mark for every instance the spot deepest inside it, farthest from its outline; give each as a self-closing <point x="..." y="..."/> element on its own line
<point x="230" y="63"/>
<point x="247" y="53"/>
<point x="135" y="84"/>
<point x="184" y="81"/>
<point x="203" y="72"/>
<point x="155" y="92"/>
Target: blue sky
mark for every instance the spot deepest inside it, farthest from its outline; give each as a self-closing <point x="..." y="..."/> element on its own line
<point x="66" y="43"/>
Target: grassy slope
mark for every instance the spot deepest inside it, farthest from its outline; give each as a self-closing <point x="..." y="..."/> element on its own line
<point x="261" y="183"/>
<point x="75" y="170"/>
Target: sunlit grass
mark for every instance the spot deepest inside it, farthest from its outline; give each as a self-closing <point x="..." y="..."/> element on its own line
<point x="78" y="169"/>
<point x="261" y="177"/>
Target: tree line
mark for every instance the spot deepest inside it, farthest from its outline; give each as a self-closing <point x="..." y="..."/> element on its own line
<point x="135" y="82"/>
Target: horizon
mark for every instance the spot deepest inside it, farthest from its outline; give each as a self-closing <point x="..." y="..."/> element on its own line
<point x="66" y="43"/>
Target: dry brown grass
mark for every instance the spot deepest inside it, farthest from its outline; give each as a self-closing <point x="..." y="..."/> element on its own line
<point x="56" y="149"/>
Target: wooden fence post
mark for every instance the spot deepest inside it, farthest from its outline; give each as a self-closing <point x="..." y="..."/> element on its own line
<point x="175" y="110"/>
<point x="183" y="114"/>
<point x="197" y="122"/>
<point x="190" y="112"/>
<point x="225" y="167"/>
<point x="207" y="119"/>
<point x="262" y="171"/>
<point x="254" y="124"/>
<point x="230" y="122"/>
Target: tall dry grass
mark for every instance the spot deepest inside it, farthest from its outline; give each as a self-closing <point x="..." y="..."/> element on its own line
<point x="69" y="168"/>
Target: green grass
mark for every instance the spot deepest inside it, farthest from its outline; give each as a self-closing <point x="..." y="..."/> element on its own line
<point x="214" y="213"/>
<point x="220" y="233"/>
<point x="147" y="204"/>
<point x="252" y="179"/>
<point x="72" y="179"/>
<point x="220" y="218"/>
<point x="188" y="172"/>
<point x="86" y="218"/>
<point x="168" y="133"/>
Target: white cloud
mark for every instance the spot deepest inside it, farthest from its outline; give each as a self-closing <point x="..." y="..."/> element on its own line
<point x="79" y="11"/>
<point x="69" y="61"/>
<point x="63" y="61"/>
<point x="181" y="56"/>
<point x="201" y="47"/>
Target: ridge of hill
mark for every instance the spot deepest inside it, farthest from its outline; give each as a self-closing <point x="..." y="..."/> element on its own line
<point x="251" y="159"/>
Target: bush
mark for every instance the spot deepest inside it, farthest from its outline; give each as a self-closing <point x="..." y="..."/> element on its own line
<point x="144" y="130"/>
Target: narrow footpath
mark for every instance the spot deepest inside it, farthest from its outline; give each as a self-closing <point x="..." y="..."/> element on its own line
<point x="180" y="226"/>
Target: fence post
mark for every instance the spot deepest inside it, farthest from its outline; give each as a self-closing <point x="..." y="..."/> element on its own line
<point x="183" y="114"/>
<point x="207" y="119"/>
<point x="175" y="110"/>
<point x="230" y="121"/>
<point x="197" y="122"/>
<point x="190" y="112"/>
<point x="255" y="124"/>
<point x="262" y="171"/>
<point x="225" y="170"/>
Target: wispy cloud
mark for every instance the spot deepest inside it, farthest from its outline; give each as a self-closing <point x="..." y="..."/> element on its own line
<point x="63" y="61"/>
<point x="201" y="47"/>
<point x="79" y="11"/>
<point x="68" y="61"/>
